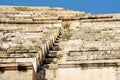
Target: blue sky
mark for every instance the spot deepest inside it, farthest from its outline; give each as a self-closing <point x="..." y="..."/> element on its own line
<point x="89" y="6"/>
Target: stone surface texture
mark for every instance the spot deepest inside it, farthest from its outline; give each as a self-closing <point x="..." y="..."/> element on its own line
<point x="43" y="43"/>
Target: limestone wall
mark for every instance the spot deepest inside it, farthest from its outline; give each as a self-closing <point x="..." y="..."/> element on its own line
<point x="99" y="72"/>
<point x="27" y="34"/>
<point x="17" y="71"/>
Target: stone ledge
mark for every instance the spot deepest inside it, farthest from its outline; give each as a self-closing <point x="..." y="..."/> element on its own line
<point x="99" y="20"/>
<point x="90" y="61"/>
<point x="29" y="22"/>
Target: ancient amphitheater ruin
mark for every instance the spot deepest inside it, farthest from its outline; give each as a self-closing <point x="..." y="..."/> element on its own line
<point x="42" y="43"/>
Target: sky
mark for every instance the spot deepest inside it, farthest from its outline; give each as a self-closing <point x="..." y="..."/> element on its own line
<point x="88" y="6"/>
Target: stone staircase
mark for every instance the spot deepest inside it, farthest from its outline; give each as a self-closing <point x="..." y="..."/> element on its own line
<point x="49" y="66"/>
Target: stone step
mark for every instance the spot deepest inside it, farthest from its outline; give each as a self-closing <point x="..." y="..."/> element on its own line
<point x="50" y="60"/>
<point x="56" y="44"/>
<point x="78" y="45"/>
<point x="57" y="41"/>
<point x="109" y="61"/>
<point x="50" y="66"/>
<point x="53" y="56"/>
<point x="55" y="48"/>
<point x="86" y="65"/>
<point x="57" y="38"/>
<point x="93" y="55"/>
<point x="60" y="33"/>
<point x="19" y="54"/>
<point x="54" y="52"/>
